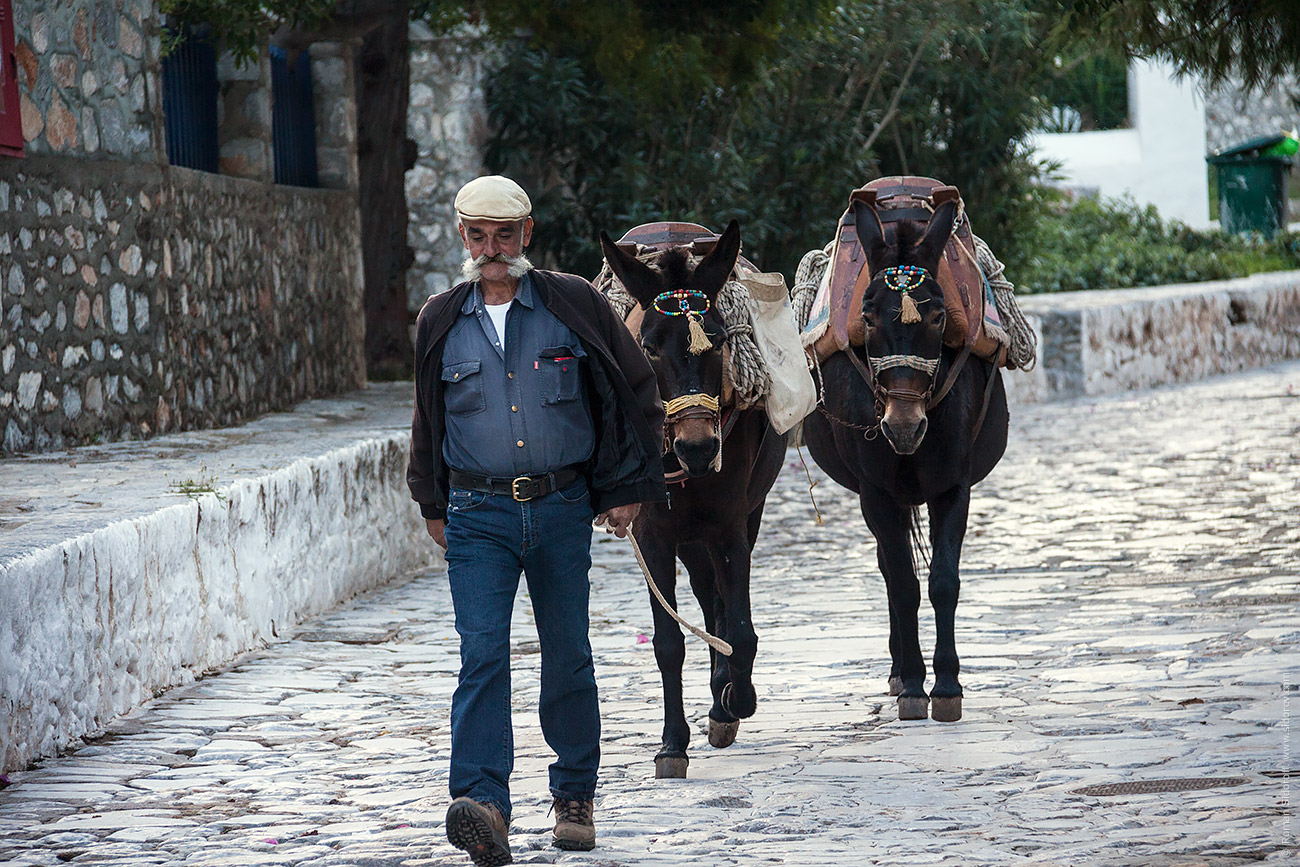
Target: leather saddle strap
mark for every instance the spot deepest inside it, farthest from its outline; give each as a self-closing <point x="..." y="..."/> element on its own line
<point x="988" y="392"/>
<point x="951" y="379"/>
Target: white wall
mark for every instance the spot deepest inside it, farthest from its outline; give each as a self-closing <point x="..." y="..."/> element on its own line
<point x="1159" y="161"/>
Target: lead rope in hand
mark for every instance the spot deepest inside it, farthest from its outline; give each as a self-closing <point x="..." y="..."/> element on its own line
<point x="713" y="641"/>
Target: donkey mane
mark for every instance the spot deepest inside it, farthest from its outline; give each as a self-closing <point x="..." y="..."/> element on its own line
<point x="903" y="240"/>
<point x="674" y="265"/>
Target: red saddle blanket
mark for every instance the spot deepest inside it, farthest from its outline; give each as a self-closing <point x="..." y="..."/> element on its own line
<point x="967" y="298"/>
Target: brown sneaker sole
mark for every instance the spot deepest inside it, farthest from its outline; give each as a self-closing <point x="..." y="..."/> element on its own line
<point x="574" y="845"/>
<point x="468" y="829"/>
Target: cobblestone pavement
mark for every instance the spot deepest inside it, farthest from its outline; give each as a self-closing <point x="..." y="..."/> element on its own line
<point x="1128" y="616"/>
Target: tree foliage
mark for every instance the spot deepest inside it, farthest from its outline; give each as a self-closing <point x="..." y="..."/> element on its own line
<point x="891" y="86"/>
<point x="1255" y="40"/>
<point x="663" y="45"/>
<point x="242" y="25"/>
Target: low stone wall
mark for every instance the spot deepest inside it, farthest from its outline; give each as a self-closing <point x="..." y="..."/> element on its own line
<point x="137" y="299"/>
<point x="93" y="626"/>
<point x="1093" y="343"/>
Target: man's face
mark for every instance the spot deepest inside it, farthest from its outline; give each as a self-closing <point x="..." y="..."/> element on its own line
<point x="496" y="239"/>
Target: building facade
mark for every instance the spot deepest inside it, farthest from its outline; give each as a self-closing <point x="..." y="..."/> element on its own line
<point x="138" y="294"/>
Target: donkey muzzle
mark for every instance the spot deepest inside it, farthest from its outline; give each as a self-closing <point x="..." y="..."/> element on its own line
<point x="904" y="425"/>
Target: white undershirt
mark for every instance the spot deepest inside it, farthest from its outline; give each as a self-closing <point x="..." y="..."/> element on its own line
<point x="497" y="313"/>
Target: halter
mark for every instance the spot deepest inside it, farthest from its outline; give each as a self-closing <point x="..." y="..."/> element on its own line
<point x="680" y="302"/>
<point x="695" y="406"/>
<point x="903" y="279"/>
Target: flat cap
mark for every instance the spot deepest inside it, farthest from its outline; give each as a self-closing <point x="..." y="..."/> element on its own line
<point x="493" y="197"/>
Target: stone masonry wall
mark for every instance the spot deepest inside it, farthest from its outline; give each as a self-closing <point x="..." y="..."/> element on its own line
<point x="1233" y="115"/>
<point x="89" y="78"/>
<point x="447" y="120"/>
<point x="136" y="299"/>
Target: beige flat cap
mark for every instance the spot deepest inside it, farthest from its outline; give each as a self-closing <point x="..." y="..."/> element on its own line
<point x="493" y="197"/>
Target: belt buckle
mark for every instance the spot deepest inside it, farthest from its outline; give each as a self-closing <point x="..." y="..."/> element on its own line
<point x="517" y="489"/>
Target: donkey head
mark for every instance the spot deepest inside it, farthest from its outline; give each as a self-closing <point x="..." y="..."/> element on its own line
<point x="682" y="334"/>
<point x="904" y="316"/>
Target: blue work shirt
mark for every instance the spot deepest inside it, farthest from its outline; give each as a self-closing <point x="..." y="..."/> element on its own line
<point x="519" y="411"/>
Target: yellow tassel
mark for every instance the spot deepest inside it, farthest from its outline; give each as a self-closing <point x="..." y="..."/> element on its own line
<point x="910" y="314"/>
<point x="699" y="340"/>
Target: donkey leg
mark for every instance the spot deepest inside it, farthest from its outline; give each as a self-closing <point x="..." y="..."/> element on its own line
<point x="891" y="524"/>
<point x="948" y="514"/>
<point x="731" y="562"/>
<point x="723" y="725"/>
<point x="895" y="677"/>
<point x="670" y="652"/>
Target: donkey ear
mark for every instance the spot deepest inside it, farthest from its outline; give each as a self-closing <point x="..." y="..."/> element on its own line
<point x="639" y="279"/>
<point x="715" y="269"/>
<point x="930" y="247"/>
<point x="871" y="235"/>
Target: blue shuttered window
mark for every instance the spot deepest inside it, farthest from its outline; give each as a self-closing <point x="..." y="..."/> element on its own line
<point x="190" y="103"/>
<point x="293" y="122"/>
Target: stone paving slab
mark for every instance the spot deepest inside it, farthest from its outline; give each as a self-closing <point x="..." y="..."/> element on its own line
<point x="1128" y="615"/>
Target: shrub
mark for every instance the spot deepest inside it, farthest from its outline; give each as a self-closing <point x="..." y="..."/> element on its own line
<point x="1115" y="244"/>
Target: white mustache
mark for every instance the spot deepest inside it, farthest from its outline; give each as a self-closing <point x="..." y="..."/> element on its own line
<point x="516" y="266"/>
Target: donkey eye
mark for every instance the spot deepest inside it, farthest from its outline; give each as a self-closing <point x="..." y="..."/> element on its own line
<point x="650" y="350"/>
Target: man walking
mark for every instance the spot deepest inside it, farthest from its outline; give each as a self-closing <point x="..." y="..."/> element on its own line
<point x="534" y="410"/>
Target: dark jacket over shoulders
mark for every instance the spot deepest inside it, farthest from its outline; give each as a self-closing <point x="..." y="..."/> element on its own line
<point x="626" y="466"/>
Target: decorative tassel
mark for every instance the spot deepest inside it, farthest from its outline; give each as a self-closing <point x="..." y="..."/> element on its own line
<point x="910" y="314"/>
<point x="699" y="340"/>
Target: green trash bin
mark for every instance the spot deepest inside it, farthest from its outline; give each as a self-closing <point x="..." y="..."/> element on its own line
<point x="1252" y="184"/>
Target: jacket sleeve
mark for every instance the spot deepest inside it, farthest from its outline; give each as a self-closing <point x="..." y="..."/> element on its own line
<point x="646" y="485"/>
<point x="425" y="473"/>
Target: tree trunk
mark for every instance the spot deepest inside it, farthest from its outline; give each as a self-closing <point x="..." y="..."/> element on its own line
<point x="384" y="154"/>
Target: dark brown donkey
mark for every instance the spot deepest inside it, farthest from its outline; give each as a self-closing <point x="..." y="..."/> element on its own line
<point x="712" y="517"/>
<point x="935" y="423"/>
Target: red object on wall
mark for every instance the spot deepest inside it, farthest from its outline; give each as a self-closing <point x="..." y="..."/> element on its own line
<point x="11" y="121"/>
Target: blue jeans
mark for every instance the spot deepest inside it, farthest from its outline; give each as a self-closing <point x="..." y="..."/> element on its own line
<point x="490" y="538"/>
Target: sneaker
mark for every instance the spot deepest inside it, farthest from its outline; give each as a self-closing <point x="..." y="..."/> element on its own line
<point x="480" y="830"/>
<point x="574" y="828"/>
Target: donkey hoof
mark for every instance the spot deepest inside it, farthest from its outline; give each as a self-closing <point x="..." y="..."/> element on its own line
<point x="945" y="708"/>
<point x="913" y="707"/>
<point x="722" y="734"/>
<point x="895" y="686"/>
<point x="670" y="767"/>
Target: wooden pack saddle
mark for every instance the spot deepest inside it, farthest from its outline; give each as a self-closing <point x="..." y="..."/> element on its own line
<point x="664" y="236"/>
<point x="966" y="297"/>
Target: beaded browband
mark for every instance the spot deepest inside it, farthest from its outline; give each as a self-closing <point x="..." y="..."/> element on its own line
<point x="901" y="278"/>
<point x="680" y="302"/>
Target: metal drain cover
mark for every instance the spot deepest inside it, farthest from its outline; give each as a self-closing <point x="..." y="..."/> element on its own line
<point x="1150" y="787"/>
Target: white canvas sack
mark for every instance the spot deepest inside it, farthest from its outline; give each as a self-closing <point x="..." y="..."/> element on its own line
<point x="793" y="394"/>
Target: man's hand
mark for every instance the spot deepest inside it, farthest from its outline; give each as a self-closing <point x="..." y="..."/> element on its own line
<point x="437" y="531"/>
<point x="618" y="519"/>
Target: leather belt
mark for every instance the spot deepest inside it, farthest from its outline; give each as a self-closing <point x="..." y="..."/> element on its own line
<point x="522" y="488"/>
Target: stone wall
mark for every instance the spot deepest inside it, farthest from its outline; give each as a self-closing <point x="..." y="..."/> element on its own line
<point x="448" y="122"/>
<point x="93" y="626"/>
<point x="136" y="299"/>
<point x="1234" y="115"/>
<point x="1101" y="342"/>
<point x="89" y="78"/>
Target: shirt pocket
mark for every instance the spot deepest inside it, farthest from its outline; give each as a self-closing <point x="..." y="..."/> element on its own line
<point x="462" y="387"/>
<point x="561" y="373"/>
